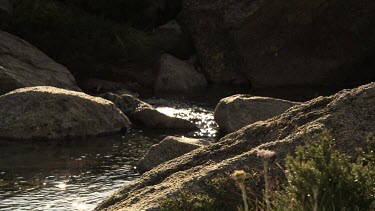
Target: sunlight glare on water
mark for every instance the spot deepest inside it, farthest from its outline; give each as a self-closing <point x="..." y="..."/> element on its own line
<point x="79" y="174"/>
<point x="201" y="117"/>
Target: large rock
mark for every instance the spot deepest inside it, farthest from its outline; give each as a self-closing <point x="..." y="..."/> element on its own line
<point x="211" y="33"/>
<point x="171" y="39"/>
<point x="145" y="114"/>
<point x="171" y="147"/>
<point x="51" y="113"/>
<point x="234" y="112"/>
<point x="349" y="114"/>
<point x="178" y="76"/>
<point x="23" y="65"/>
<point x="300" y="43"/>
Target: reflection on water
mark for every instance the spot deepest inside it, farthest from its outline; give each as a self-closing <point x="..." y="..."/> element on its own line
<point x="199" y="114"/>
<point x="77" y="175"/>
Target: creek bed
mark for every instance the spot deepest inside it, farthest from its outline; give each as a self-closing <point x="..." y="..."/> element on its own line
<point x="79" y="174"/>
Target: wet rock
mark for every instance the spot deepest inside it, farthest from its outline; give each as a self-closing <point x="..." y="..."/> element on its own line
<point x="145" y="114"/>
<point x="23" y="65"/>
<point x="283" y="43"/>
<point x="349" y="114"/>
<point x="169" y="148"/>
<point x="234" y="112"/>
<point x="178" y="76"/>
<point x="45" y="112"/>
<point x="173" y="40"/>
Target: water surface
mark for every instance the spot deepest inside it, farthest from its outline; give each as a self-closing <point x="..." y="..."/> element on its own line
<point x="79" y="174"/>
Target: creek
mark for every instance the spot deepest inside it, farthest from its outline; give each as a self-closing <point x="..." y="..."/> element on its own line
<point x="79" y="174"/>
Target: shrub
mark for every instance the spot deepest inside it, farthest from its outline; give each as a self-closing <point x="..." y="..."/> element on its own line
<point x="187" y="201"/>
<point x="318" y="178"/>
<point x="321" y="178"/>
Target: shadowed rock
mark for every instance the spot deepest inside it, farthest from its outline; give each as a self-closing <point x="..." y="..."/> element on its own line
<point x="45" y="112"/>
<point x="23" y="65"/>
<point x="168" y="149"/>
<point x="173" y="40"/>
<point x="349" y="114"/>
<point x="300" y="43"/>
<point x="178" y="76"/>
<point x="234" y="112"/>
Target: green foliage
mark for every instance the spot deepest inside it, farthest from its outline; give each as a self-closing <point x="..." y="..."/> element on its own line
<point x="88" y="44"/>
<point x="221" y="193"/>
<point x="187" y="201"/>
<point x="321" y="178"/>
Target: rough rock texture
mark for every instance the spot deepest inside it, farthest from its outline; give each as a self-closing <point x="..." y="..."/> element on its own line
<point x="209" y="23"/>
<point x="171" y="147"/>
<point x="45" y="112"/>
<point x="173" y="40"/>
<point x="145" y="114"/>
<point x="23" y="65"/>
<point x="349" y="114"/>
<point x="178" y="76"/>
<point x="234" y="112"/>
<point x="276" y="43"/>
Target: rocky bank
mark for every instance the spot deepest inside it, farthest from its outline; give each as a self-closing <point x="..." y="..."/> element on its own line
<point x="349" y="114"/>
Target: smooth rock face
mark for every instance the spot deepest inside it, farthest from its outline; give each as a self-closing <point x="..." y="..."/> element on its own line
<point x="300" y="43"/>
<point x="171" y="147"/>
<point x="349" y="114"/>
<point x="178" y="76"/>
<point x="23" y="65"/>
<point x="145" y="114"/>
<point x="45" y="112"/>
<point x="234" y="112"/>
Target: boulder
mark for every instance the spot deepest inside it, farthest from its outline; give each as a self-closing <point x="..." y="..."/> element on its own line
<point x="349" y="114"/>
<point x="283" y="43"/>
<point x="234" y="112"/>
<point x="211" y="35"/>
<point x="23" y="65"/>
<point x="45" y="112"/>
<point x="145" y="114"/>
<point x="173" y="40"/>
<point x="169" y="148"/>
<point x="178" y="76"/>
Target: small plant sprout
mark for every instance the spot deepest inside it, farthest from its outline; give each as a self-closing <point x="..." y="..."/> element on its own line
<point x="266" y="155"/>
<point x="240" y="176"/>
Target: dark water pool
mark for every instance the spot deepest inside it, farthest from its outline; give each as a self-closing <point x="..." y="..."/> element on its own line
<point x="79" y="174"/>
